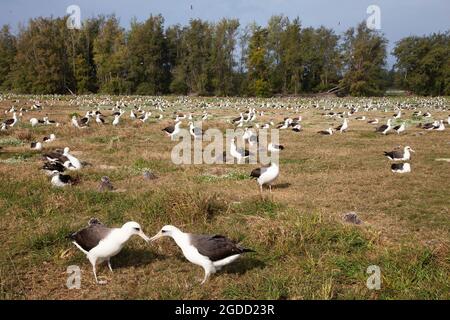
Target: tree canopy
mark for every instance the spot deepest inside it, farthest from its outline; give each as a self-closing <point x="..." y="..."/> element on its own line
<point x="222" y="58"/>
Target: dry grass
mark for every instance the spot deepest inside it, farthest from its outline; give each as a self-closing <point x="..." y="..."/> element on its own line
<point x="304" y="250"/>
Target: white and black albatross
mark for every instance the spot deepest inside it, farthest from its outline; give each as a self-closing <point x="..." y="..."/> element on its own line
<point x="266" y="175"/>
<point x="275" y="147"/>
<point x="401" y="167"/>
<point x="196" y="132"/>
<point x="327" y="132"/>
<point x="172" y="131"/>
<point x="401" y="155"/>
<point x="11" y="122"/>
<point x="36" y="146"/>
<point x="238" y="153"/>
<point x="343" y="127"/>
<point x="400" y="128"/>
<point x="61" y="180"/>
<point x="212" y="252"/>
<point x="100" y="243"/>
<point x="385" y="128"/>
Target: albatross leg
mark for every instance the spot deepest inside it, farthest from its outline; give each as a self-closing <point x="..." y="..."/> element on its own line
<point x="207" y="274"/>
<point x="109" y="265"/>
<point x="94" y="262"/>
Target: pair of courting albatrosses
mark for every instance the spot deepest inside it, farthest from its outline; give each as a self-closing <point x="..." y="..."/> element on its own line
<point x="100" y="243"/>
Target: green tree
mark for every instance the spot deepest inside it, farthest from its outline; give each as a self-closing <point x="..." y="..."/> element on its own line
<point x="364" y="56"/>
<point x="41" y="63"/>
<point x="177" y="75"/>
<point x="7" y="54"/>
<point x="276" y="27"/>
<point x="258" y="63"/>
<point x="149" y="69"/>
<point x="111" y="57"/>
<point x="292" y="58"/>
<point x="193" y="68"/>
<point x="222" y="60"/>
<point x="80" y="51"/>
<point x="423" y="64"/>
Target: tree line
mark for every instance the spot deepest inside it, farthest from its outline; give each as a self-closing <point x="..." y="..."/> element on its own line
<point x="222" y="58"/>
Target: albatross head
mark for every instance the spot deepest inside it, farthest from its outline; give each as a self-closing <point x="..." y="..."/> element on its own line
<point x="409" y="148"/>
<point x="166" y="231"/>
<point x="133" y="228"/>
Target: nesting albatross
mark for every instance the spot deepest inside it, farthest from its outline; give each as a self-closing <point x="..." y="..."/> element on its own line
<point x="100" y="243"/>
<point x="212" y="252"/>
<point x="401" y="167"/>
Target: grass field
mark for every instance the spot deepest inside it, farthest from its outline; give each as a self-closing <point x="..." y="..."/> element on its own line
<point x="304" y="249"/>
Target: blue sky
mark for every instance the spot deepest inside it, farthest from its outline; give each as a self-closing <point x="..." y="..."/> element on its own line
<point x="399" y="18"/>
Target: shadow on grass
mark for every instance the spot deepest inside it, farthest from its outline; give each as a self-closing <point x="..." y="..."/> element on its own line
<point x="281" y="185"/>
<point x="134" y="258"/>
<point x="243" y="265"/>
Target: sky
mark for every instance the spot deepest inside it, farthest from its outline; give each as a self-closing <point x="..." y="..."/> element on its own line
<point x="399" y="18"/>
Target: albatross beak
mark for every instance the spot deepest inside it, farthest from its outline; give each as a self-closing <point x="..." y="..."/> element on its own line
<point x="143" y="236"/>
<point x="411" y="150"/>
<point x="156" y="237"/>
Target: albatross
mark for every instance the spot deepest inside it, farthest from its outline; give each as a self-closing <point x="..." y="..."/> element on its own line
<point x="343" y="127"/>
<point x="75" y="164"/>
<point x="100" y="243"/>
<point x="212" y="252"/>
<point x="61" y="180"/>
<point x="327" y="132"/>
<point x="196" y="132"/>
<point x="400" y="128"/>
<point x="172" y="131"/>
<point x="275" y="147"/>
<point x="240" y="154"/>
<point x="402" y="155"/>
<point x="11" y="122"/>
<point x="36" y="146"/>
<point x="266" y="175"/>
<point x="385" y="127"/>
<point x="401" y="167"/>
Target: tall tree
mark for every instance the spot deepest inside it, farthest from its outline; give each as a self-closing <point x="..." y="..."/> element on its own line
<point x="149" y="60"/>
<point x="111" y="57"/>
<point x="258" y="63"/>
<point x="276" y="27"/>
<point x="194" y="67"/>
<point x="222" y="59"/>
<point x="423" y="64"/>
<point x="292" y="58"/>
<point x="364" y="54"/>
<point x="80" y="51"/>
<point x="41" y="64"/>
<point x="7" y="54"/>
<point x="175" y="55"/>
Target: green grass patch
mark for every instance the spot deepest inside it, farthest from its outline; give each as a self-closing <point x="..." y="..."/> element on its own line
<point x="233" y="175"/>
<point x="10" y="141"/>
